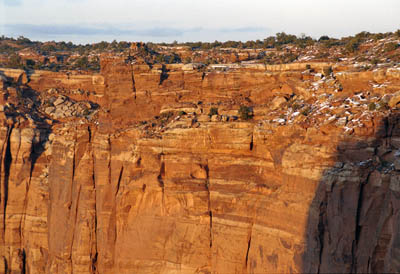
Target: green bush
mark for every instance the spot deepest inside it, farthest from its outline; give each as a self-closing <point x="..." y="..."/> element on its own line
<point x="371" y="106"/>
<point x="327" y="71"/>
<point x="305" y="111"/>
<point x="353" y="44"/>
<point x="391" y="46"/>
<point x="213" y="111"/>
<point x="382" y="105"/>
<point x="245" y="113"/>
<point x="374" y="61"/>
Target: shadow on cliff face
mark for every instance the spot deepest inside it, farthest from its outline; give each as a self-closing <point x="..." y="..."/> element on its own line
<point x="26" y="128"/>
<point x="354" y="219"/>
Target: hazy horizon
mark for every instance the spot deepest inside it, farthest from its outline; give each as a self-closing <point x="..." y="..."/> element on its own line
<point x="90" y="21"/>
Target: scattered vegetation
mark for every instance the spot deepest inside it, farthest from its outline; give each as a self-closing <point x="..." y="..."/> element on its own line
<point x="23" y="53"/>
<point x="213" y="111"/>
<point x="305" y="111"/>
<point x="371" y="106"/>
<point x="245" y="113"/>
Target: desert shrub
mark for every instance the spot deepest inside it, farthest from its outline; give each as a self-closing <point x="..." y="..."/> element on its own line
<point x="374" y="61"/>
<point x="382" y="105"/>
<point x="391" y="46"/>
<point x="86" y="112"/>
<point x="305" y="111"/>
<point x="296" y="107"/>
<point x="327" y="71"/>
<point x="245" y="113"/>
<point x="166" y="115"/>
<point x="213" y="111"/>
<point x="371" y="106"/>
<point x="353" y="44"/>
<point x="323" y="38"/>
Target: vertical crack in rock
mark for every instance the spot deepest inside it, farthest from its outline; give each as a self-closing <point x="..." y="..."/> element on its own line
<point x="119" y="180"/>
<point x="321" y="229"/>
<point x="5" y="265"/>
<point x="209" y="200"/>
<point x="73" y="212"/>
<point x="358" y="226"/>
<point x="109" y="159"/>
<point x="93" y="257"/>
<point x="94" y="264"/>
<point x="161" y="181"/>
<point x="161" y="175"/>
<point x="75" y="221"/>
<point x="73" y="164"/>
<point x="133" y="82"/>
<point x="23" y="260"/>
<point x="251" y="142"/>
<point x="249" y="244"/>
<point x="247" y="252"/>
<point x="7" y="165"/>
<point x="90" y="135"/>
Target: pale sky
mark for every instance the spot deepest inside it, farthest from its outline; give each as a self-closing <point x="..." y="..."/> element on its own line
<point x="86" y="21"/>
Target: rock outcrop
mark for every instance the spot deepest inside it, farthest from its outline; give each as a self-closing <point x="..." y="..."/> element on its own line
<point x="155" y="171"/>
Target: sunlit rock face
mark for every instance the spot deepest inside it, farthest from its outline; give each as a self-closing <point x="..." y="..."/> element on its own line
<point x="171" y="170"/>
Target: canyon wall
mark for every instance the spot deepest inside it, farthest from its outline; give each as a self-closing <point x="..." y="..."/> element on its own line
<point x="154" y="184"/>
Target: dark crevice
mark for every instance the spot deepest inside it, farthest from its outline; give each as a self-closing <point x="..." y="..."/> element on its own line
<point x="94" y="258"/>
<point x="73" y="163"/>
<point x="251" y="142"/>
<point x="23" y="260"/>
<point x="248" y="250"/>
<point x="359" y="207"/>
<point x="109" y="160"/>
<point x="39" y="148"/>
<point x="90" y="134"/>
<point x="5" y="265"/>
<point x="161" y="181"/>
<point x="7" y="165"/>
<point x="138" y="162"/>
<point x="161" y="175"/>
<point x="133" y="83"/>
<point x="164" y="74"/>
<point x="207" y="185"/>
<point x="321" y="230"/>
<point x="203" y="76"/>
<point x="358" y="226"/>
<point x="94" y="263"/>
<point x="75" y="218"/>
<point x="211" y="224"/>
<point x="119" y="180"/>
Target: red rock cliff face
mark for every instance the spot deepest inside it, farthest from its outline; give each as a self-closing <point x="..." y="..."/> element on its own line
<point x="189" y="193"/>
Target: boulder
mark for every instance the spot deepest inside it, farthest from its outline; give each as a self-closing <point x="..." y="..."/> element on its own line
<point x="277" y="102"/>
<point x="215" y="118"/>
<point x="59" y="101"/>
<point x="394" y="100"/>
<point x="49" y="110"/>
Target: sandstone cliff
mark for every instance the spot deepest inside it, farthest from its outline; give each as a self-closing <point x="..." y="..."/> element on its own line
<point x="134" y="176"/>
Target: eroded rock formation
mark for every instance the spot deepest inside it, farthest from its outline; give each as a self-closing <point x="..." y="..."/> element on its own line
<point x="144" y="180"/>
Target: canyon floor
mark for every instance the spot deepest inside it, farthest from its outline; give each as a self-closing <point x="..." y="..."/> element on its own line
<point x="173" y="169"/>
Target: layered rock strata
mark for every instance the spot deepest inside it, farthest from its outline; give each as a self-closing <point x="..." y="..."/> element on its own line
<point x="146" y="181"/>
